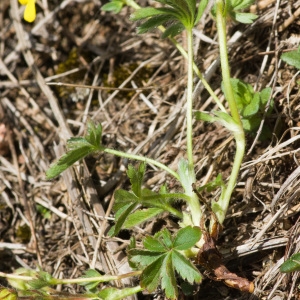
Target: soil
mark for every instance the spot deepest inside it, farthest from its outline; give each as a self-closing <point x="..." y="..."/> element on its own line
<point x="61" y="225"/>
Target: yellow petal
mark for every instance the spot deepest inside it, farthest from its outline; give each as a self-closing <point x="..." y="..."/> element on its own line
<point x="29" y="13"/>
<point x="23" y="2"/>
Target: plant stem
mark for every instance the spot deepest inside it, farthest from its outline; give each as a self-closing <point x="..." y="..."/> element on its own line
<point x="194" y="201"/>
<point x="220" y="207"/>
<point x="221" y="27"/>
<point x="104" y="278"/>
<point x="142" y="158"/>
<point x="189" y="103"/>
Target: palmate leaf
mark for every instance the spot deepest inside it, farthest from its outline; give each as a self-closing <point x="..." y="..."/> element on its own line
<point x="139" y="205"/>
<point x="178" y="15"/>
<point x="78" y="148"/>
<point x="162" y="260"/>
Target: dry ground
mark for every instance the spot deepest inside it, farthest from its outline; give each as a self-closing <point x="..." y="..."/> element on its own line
<point x="61" y="225"/>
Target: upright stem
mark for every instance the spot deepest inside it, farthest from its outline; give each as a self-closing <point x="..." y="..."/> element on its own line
<point x="194" y="201"/>
<point x="189" y="104"/>
<point x="220" y="207"/>
<point x="221" y="27"/>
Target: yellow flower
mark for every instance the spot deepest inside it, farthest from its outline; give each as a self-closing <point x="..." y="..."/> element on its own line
<point x="29" y="13"/>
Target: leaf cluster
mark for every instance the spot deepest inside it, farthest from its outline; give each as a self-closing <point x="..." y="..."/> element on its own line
<point x="176" y="16"/>
<point x="251" y="104"/>
<point x="140" y="204"/>
<point x="162" y="258"/>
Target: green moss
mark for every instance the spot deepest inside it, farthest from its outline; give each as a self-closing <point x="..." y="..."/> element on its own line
<point x="122" y="72"/>
<point x="23" y="234"/>
<point x="72" y="62"/>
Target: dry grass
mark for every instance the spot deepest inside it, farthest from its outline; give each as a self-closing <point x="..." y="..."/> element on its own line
<point x="74" y="42"/>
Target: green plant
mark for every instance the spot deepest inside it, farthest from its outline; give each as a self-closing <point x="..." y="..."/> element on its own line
<point x="251" y="104"/>
<point x="291" y="265"/>
<point x="292" y="58"/>
<point x="165" y="256"/>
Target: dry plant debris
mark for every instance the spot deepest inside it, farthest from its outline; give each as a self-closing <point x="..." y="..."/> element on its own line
<point x="62" y="225"/>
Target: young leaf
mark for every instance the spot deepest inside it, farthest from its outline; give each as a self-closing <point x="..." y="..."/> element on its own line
<point x="112" y="293"/>
<point x="251" y="124"/>
<point x="114" y="6"/>
<point x="234" y="11"/>
<point x="292" y="58"/>
<point x="253" y="107"/>
<point x="218" y="182"/>
<point x="265" y="95"/>
<point x="43" y="279"/>
<point x="292" y="264"/>
<point x="245" y="18"/>
<point x="136" y="177"/>
<point x="187" y="176"/>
